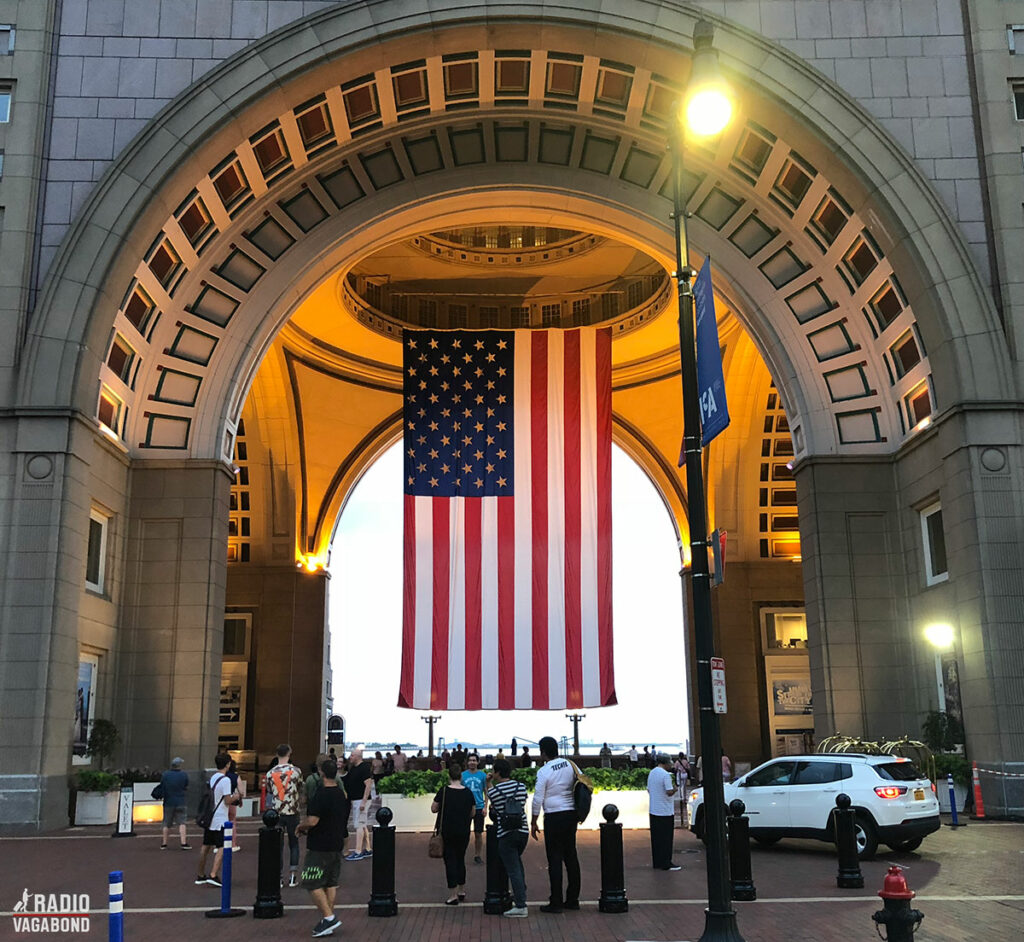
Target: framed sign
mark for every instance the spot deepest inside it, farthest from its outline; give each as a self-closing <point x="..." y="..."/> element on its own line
<point x="85" y="707"/>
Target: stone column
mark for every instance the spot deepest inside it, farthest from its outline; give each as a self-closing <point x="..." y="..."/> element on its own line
<point x="289" y="655"/>
<point x="44" y="519"/>
<point x="173" y="615"/>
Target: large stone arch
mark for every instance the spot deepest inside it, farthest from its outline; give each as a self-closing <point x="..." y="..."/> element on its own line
<point x="215" y="118"/>
<point x="829" y="358"/>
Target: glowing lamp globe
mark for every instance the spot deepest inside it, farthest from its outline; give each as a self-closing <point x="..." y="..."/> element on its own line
<point x="708" y="111"/>
<point x="939" y="635"/>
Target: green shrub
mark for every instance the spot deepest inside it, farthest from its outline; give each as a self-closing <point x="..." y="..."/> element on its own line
<point x="103" y="740"/>
<point x="412" y="784"/>
<point x="142" y="774"/>
<point x="941" y="731"/>
<point x="91" y="780"/>
<point x="944" y="764"/>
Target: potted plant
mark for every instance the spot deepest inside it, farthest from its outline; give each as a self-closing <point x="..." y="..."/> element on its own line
<point x="103" y="740"/>
<point x="96" y="798"/>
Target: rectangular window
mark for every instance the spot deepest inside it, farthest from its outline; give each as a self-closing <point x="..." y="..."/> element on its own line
<point x="6" y="39"/>
<point x="934" y="541"/>
<point x="5" y="103"/>
<point x="237" y="627"/>
<point x="96" y="554"/>
<point x="1018" y="102"/>
<point x="1" y="163"/>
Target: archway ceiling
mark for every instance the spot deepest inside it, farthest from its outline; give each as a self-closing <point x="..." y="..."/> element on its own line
<point x="269" y="215"/>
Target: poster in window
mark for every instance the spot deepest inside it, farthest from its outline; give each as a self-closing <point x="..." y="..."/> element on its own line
<point x="792" y="697"/>
<point x="84" y="707"/>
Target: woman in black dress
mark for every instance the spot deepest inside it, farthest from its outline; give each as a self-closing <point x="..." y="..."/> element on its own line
<point x="457" y="807"/>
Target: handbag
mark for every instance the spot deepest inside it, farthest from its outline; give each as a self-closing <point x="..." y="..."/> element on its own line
<point x="435" y="846"/>
<point x="582" y="794"/>
<point x="158" y="791"/>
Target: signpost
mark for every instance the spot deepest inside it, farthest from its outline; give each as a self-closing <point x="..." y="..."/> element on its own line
<point x="125" y="808"/>
<point x="718" y="699"/>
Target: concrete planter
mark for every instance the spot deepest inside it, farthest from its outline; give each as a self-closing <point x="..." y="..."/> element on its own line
<point x="942" y="793"/>
<point x="96" y="808"/>
<point x="413" y="814"/>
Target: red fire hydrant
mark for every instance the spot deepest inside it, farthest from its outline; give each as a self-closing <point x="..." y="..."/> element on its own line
<point x="899" y="919"/>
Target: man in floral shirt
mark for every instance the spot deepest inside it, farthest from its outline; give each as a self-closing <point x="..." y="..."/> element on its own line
<point x="283" y="796"/>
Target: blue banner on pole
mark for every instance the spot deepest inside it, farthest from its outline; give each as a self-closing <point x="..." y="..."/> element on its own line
<point x="714" y="411"/>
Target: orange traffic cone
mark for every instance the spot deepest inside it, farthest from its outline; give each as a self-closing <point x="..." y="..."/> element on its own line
<point x="979" y="804"/>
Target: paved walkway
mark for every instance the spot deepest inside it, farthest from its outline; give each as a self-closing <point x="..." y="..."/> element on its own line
<point x="969" y="884"/>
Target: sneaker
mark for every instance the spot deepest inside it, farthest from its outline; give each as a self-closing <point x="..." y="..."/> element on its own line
<point x="517" y="912"/>
<point x="293" y="880"/>
<point x="573" y="905"/>
<point x="353" y="856"/>
<point x="367" y="853"/>
<point x="326" y="927"/>
<point x="163" y="847"/>
<point x="214" y="881"/>
<point x="551" y="908"/>
<point x="186" y="846"/>
<point x="674" y="867"/>
<point x="201" y="880"/>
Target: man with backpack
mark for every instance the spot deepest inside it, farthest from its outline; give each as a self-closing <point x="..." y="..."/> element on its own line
<point x="211" y="817"/>
<point x="508" y="811"/>
<point x="283" y="796"/>
<point x="553" y="794"/>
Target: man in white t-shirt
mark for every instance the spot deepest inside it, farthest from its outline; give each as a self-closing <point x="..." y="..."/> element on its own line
<point x="553" y="795"/>
<point x="213" y="836"/>
<point x="634" y="756"/>
<point x="660" y="788"/>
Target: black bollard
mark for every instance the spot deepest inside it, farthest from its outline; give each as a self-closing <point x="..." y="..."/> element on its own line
<point x="849" y="876"/>
<point x="268" y="869"/>
<point x="496" y="897"/>
<point x="613" y="879"/>
<point x="741" y="878"/>
<point x="383" y="901"/>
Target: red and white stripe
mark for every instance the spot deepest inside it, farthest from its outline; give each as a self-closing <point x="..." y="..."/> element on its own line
<point x="508" y="600"/>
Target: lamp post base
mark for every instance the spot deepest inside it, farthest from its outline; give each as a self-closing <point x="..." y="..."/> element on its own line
<point x="720" y="927"/>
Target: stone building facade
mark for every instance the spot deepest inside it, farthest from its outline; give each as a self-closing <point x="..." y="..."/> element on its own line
<point x="200" y="201"/>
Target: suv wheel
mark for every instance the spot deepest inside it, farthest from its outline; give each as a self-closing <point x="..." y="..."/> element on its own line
<point x="867" y="837"/>
<point x="766" y="841"/>
<point x="904" y="847"/>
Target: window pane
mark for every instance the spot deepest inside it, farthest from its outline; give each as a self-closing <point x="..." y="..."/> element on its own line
<point x="94" y="554"/>
<point x="936" y="543"/>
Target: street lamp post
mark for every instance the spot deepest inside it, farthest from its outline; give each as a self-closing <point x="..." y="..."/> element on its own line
<point x="575" y="717"/>
<point x="700" y="113"/>
<point x="430" y="721"/>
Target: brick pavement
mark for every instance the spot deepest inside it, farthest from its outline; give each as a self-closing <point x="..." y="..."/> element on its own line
<point x="969" y="886"/>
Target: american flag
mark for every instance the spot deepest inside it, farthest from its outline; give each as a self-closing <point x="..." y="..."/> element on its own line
<point x="508" y="565"/>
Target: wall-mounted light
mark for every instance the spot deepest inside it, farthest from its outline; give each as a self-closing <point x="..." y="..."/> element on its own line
<point x="939" y="635"/>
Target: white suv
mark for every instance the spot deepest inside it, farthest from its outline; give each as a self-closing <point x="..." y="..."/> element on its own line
<point x="794" y="796"/>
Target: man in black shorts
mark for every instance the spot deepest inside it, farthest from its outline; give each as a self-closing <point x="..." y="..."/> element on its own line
<point x="475" y="779"/>
<point x="326" y="820"/>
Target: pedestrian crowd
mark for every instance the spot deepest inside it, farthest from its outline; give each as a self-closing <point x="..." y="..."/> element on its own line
<point x="338" y="794"/>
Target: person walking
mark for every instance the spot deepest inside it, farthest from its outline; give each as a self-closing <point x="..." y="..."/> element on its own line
<point x="660" y="789"/>
<point x="507" y="798"/>
<point x="232" y="773"/>
<point x="456" y="806"/>
<point x="315" y="778"/>
<point x="681" y="768"/>
<point x="726" y="769"/>
<point x="553" y="795"/>
<point x="172" y="788"/>
<point x="325" y="825"/>
<point x="283" y="796"/>
<point x="213" y="836"/>
<point x="399" y="758"/>
<point x="359" y="785"/>
<point x="527" y="760"/>
<point x="475" y="779"/>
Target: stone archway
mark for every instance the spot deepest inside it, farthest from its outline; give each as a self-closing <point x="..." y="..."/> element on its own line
<point x="295" y="158"/>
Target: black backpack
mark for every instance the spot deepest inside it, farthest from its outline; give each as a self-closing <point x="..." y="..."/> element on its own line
<point x="206" y="809"/>
<point x="582" y="794"/>
<point x="513" y="815"/>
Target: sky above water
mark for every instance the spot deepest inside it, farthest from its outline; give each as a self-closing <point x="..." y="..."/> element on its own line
<point x="366" y="625"/>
